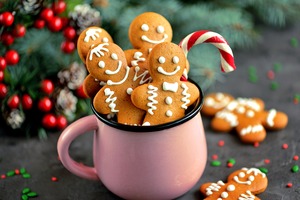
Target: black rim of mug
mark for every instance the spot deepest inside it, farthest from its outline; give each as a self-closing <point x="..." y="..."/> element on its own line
<point x="190" y="114"/>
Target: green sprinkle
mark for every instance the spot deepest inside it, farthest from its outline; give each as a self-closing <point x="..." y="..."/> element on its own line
<point x="263" y="170"/>
<point x="274" y="85"/>
<point x="294" y="42"/>
<point x="25" y="190"/>
<point x="24" y="197"/>
<point x="277" y="67"/>
<point x="253" y="79"/>
<point x="10" y="173"/>
<point x="215" y="163"/>
<point x="32" y="194"/>
<point x="23" y="170"/>
<point x="295" y="168"/>
<point x="231" y="160"/>
<point x="26" y="175"/>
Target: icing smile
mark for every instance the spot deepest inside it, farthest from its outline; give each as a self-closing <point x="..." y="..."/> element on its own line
<point x="162" y="71"/>
<point x="146" y="39"/>
<point x="109" y="72"/>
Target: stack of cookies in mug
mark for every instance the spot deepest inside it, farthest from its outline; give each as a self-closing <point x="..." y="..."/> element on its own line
<point x="140" y="86"/>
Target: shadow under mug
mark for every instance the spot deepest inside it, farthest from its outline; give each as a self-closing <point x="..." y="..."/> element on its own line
<point x="141" y="162"/>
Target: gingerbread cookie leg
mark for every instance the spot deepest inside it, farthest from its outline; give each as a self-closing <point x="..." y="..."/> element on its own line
<point x="274" y="120"/>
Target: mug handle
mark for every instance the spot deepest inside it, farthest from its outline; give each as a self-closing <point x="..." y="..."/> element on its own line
<point x="74" y="130"/>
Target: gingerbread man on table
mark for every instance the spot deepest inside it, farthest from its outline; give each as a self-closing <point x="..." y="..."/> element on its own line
<point x="106" y="62"/>
<point x="242" y="184"/>
<point x="246" y="115"/>
<point x="166" y="98"/>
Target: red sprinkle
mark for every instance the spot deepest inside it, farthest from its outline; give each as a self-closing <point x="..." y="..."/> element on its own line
<point x="267" y="161"/>
<point x="289" y="185"/>
<point x="256" y="144"/>
<point x="296" y="157"/>
<point x="229" y="164"/>
<point x="271" y="74"/>
<point x="221" y="143"/>
<point x="54" y="179"/>
<point x="3" y="176"/>
<point x="285" y="146"/>
<point x="214" y="157"/>
<point x="295" y="101"/>
<point x="17" y="171"/>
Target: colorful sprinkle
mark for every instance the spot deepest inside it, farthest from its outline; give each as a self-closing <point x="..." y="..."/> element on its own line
<point x="214" y="157"/>
<point x="229" y="165"/>
<point x="252" y="74"/>
<point x="263" y="170"/>
<point x="294" y="42"/>
<point x="3" y="176"/>
<point x="295" y="168"/>
<point x="285" y="146"/>
<point x="24" y="197"/>
<point x="215" y="163"/>
<point x="17" y="171"/>
<point x="26" y="175"/>
<point x="271" y="74"/>
<point x="231" y="160"/>
<point x="25" y="191"/>
<point x="22" y="170"/>
<point x="289" y="185"/>
<point x="32" y="194"/>
<point x="256" y="144"/>
<point x="274" y="85"/>
<point x="267" y="161"/>
<point x="54" y="179"/>
<point x="10" y="173"/>
<point x="221" y="143"/>
<point x="296" y="157"/>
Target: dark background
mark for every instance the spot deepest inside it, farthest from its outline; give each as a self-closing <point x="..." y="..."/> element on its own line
<point x="41" y="162"/>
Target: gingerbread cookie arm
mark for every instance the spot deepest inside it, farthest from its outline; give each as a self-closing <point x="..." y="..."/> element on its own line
<point x="144" y="97"/>
<point x="105" y="101"/>
<point x="274" y="120"/>
<point x="224" y="121"/>
<point x="215" y="102"/>
<point x="91" y="86"/>
<point x="251" y="131"/>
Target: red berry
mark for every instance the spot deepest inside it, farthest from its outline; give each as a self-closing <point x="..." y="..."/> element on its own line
<point x="49" y="121"/>
<point x="59" y="7"/>
<point x="47" y="86"/>
<point x="2" y="63"/>
<point x="47" y="14"/>
<point x="3" y="90"/>
<point x="61" y="122"/>
<point x="80" y="92"/>
<point x="13" y="101"/>
<point x="7" y="39"/>
<point x="1" y="75"/>
<point x="45" y="104"/>
<point x="39" y="23"/>
<point x="12" y="57"/>
<point x="68" y="46"/>
<point x="69" y="33"/>
<point x="26" y="102"/>
<point x="19" y="30"/>
<point x="55" y="24"/>
<point x="6" y="18"/>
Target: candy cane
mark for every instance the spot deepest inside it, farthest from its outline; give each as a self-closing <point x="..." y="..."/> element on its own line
<point x="204" y="36"/>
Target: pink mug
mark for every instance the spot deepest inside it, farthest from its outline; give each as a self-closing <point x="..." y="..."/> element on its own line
<point x="141" y="162"/>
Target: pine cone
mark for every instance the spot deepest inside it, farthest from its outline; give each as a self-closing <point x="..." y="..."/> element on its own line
<point x="65" y="102"/>
<point x="14" y="118"/>
<point x="31" y="6"/>
<point x="83" y="17"/>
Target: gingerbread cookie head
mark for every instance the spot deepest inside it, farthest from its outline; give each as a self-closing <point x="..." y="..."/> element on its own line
<point x="149" y="29"/>
<point x="88" y="38"/>
<point x="105" y="63"/>
<point x="242" y="184"/>
<point x="215" y="102"/>
<point x="166" y="98"/>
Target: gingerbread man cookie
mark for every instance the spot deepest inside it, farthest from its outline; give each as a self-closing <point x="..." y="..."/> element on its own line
<point x="166" y="98"/>
<point x="246" y="115"/>
<point x="106" y="62"/>
<point x="145" y="31"/>
<point x="87" y="38"/>
<point x="242" y="184"/>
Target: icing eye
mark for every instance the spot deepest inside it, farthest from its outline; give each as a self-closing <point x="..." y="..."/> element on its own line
<point x="101" y="64"/>
<point x="114" y="56"/>
<point x="160" y="29"/>
<point x="242" y="174"/>
<point x="161" y="59"/>
<point x="105" y="39"/>
<point x="175" y="59"/>
<point x="251" y="178"/>
<point x="145" y="27"/>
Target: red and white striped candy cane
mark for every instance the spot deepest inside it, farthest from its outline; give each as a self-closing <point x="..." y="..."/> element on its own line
<point x="204" y="36"/>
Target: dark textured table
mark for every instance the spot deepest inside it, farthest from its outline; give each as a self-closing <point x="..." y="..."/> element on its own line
<point x="40" y="160"/>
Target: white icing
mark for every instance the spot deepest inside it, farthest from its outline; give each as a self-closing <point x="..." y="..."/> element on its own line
<point x="138" y="58"/>
<point x="168" y="100"/>
<point x="152" y="91"/>
<point x="146" y="124"/>
<point x="98" y="50"/>
<point x="185" y="73"/>
<point x="175" y="59"/>
<point x="251" y="178"/>
<point x="143" y="76"/>
<point x="230" y="188"/>
<point x="221" y="102"/>
<point x="241" y="109"/>
<point x="186" y="96"/>
<point x="145" y="27"/>
<point x="112" y="105"/>
<point x="252" y="129"/>
<point x="224" y="195"/>
<point x="270" y="117"/>
<point x="129" y="91"/>
<point x="214" y="187"/>
<point x="247" y="196"/>
<point x="101" y="64"/>
<point x="251" y="103"/>
<point x="105" y="39"/>
<point x="172" y="87"/>
<point x="160" y="29"/>
<point x="162" y="71"/>
<point x="109" y="72"/>
<point x="114" y="56"/>
<point x="92" y="33"/>
<point x="250" y="113"/>
<point x="169" y="113"/>
<point x="161" y="59"/>
<point x="228" y="116"/>
<point x="146" y="39"/>
<point x="110" y="82"/>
